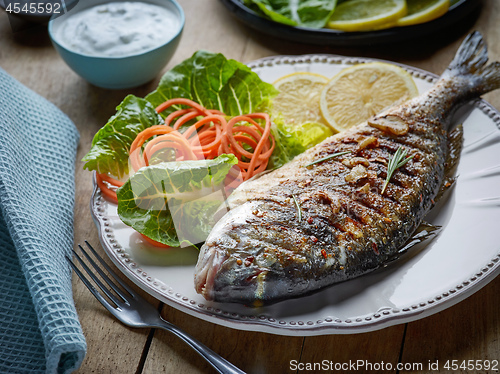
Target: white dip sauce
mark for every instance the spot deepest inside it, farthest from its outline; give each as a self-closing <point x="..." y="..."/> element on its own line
<point x="118" y="29"/>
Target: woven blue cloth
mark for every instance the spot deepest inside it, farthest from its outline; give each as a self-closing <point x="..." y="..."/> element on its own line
<point x="39" y="327"/>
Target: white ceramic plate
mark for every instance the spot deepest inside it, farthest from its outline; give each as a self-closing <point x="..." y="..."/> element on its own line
<point x="464" y="257"/>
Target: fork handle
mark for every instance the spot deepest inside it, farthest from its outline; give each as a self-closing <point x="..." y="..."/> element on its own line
<point x="218" y="362"/>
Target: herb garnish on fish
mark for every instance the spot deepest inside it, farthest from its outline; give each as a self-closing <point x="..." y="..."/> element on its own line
<point x="395" y="162"/>
<point x="327" y="158"/>
<point x="299" y="211"/>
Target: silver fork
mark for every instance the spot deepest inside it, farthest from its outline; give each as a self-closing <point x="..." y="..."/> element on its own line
<point x="134" y="311"/>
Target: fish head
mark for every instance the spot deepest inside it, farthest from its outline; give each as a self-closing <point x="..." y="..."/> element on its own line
<point x="236" y="264"/>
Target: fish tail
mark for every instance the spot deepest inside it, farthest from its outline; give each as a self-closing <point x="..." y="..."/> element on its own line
<point x="470" y="64"/>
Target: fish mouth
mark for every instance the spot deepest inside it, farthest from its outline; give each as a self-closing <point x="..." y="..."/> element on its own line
<point x="207" y="268"/>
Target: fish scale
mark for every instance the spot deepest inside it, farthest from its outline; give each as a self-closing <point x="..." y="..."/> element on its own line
<point x="309" y="225"/>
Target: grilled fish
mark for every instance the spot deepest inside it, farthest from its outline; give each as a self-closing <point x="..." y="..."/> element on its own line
<point x="311" y="224"/>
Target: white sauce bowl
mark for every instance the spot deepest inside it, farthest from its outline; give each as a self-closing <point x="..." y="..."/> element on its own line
<point x="91" y="47"/>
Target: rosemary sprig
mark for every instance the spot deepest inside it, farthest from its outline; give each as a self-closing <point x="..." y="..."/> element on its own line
<point x="395" y="162"/>
<point x="327" y="158"/>
<point x="299" y="211"/>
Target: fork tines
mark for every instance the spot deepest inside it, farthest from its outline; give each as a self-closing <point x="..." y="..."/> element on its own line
<point x="103" y="276"/>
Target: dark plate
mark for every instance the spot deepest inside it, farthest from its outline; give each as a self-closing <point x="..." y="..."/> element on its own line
<point x="457" y="11"/>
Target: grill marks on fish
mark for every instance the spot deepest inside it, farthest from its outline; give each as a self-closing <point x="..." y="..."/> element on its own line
<point x="260" y="251"/>
<point x="376" y="171"/>
<point x="345" y="211"/>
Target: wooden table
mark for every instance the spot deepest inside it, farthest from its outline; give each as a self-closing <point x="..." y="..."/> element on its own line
<point x="469" y="330"/>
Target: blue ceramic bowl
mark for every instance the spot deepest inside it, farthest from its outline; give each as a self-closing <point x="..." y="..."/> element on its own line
<point x="118" y="72"/>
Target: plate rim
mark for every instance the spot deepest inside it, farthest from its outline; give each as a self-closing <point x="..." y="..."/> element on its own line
<point x="265" y="323"/>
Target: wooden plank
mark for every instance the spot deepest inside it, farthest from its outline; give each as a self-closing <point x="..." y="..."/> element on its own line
<point x="252" y="352"/>
<point x="111" y="346"/>
<point x="209" y="28"/>
<point x="466" y="331"/>
<point x="339" y="352"/>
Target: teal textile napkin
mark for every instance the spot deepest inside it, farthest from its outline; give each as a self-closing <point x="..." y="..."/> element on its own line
<point x="39" y="327"/>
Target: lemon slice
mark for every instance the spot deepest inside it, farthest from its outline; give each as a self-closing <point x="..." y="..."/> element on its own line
<point x="420" y="11"/>
<point x="298" y="100"/>
<point x="362" y="15"/>
<point x="361" y="91"/>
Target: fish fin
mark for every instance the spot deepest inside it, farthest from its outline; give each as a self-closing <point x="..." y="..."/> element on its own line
<point x="446" y="186"/>
<point x="418" y="241"/>
<point x="470" y="61"/>
<point x="455" y="141"/>
<point x="448" y="183"/>
<point x="422" y="234"/>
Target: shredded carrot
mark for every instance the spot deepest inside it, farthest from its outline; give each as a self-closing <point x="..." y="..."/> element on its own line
<point x="185" y="119"/>
<point x="181" y="101"/>
<point x="254" y="136"/>
<point x="136" y="160"/>
<point x="172" y="140"/>
<point x="199" y="141"/>
<point x="212" y="136"/>
<point x="209" y="136"/>
<point x="178" y="113"/>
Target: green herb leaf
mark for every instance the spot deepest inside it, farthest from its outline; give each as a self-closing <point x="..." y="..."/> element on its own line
<point x="395" y="162"/>
<point x="327" y="158"/>
<point x="174" y="202"/>
<point x="306" y="13"/>
<point x="109" y="152"/>
<point x="299" y="211"/>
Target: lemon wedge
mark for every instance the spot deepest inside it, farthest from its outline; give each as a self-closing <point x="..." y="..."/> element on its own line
<point x="420" y="11"/>
<point x="358" y="92"/>
<point x="298" y="100"/>
<point x="362" y="15"/>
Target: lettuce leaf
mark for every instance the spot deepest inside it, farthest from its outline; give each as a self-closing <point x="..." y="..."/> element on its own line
<point x="207" y="78"/>
<point x="306" y="13"/>
<point x="174" y="203"/>
<point x="292" y="140"/>
<point x="216" y="83"/>
<point x="109" y="152"/>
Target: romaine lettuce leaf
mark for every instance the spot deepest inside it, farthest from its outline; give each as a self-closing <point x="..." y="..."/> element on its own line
<point x="292" y="140"/>
<point x="109" y="152"/>
<point x="207" y="78"/>
<point x="174" y="203"/>
<point x="307" y="13"/>
<point x="216" y="83"/>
